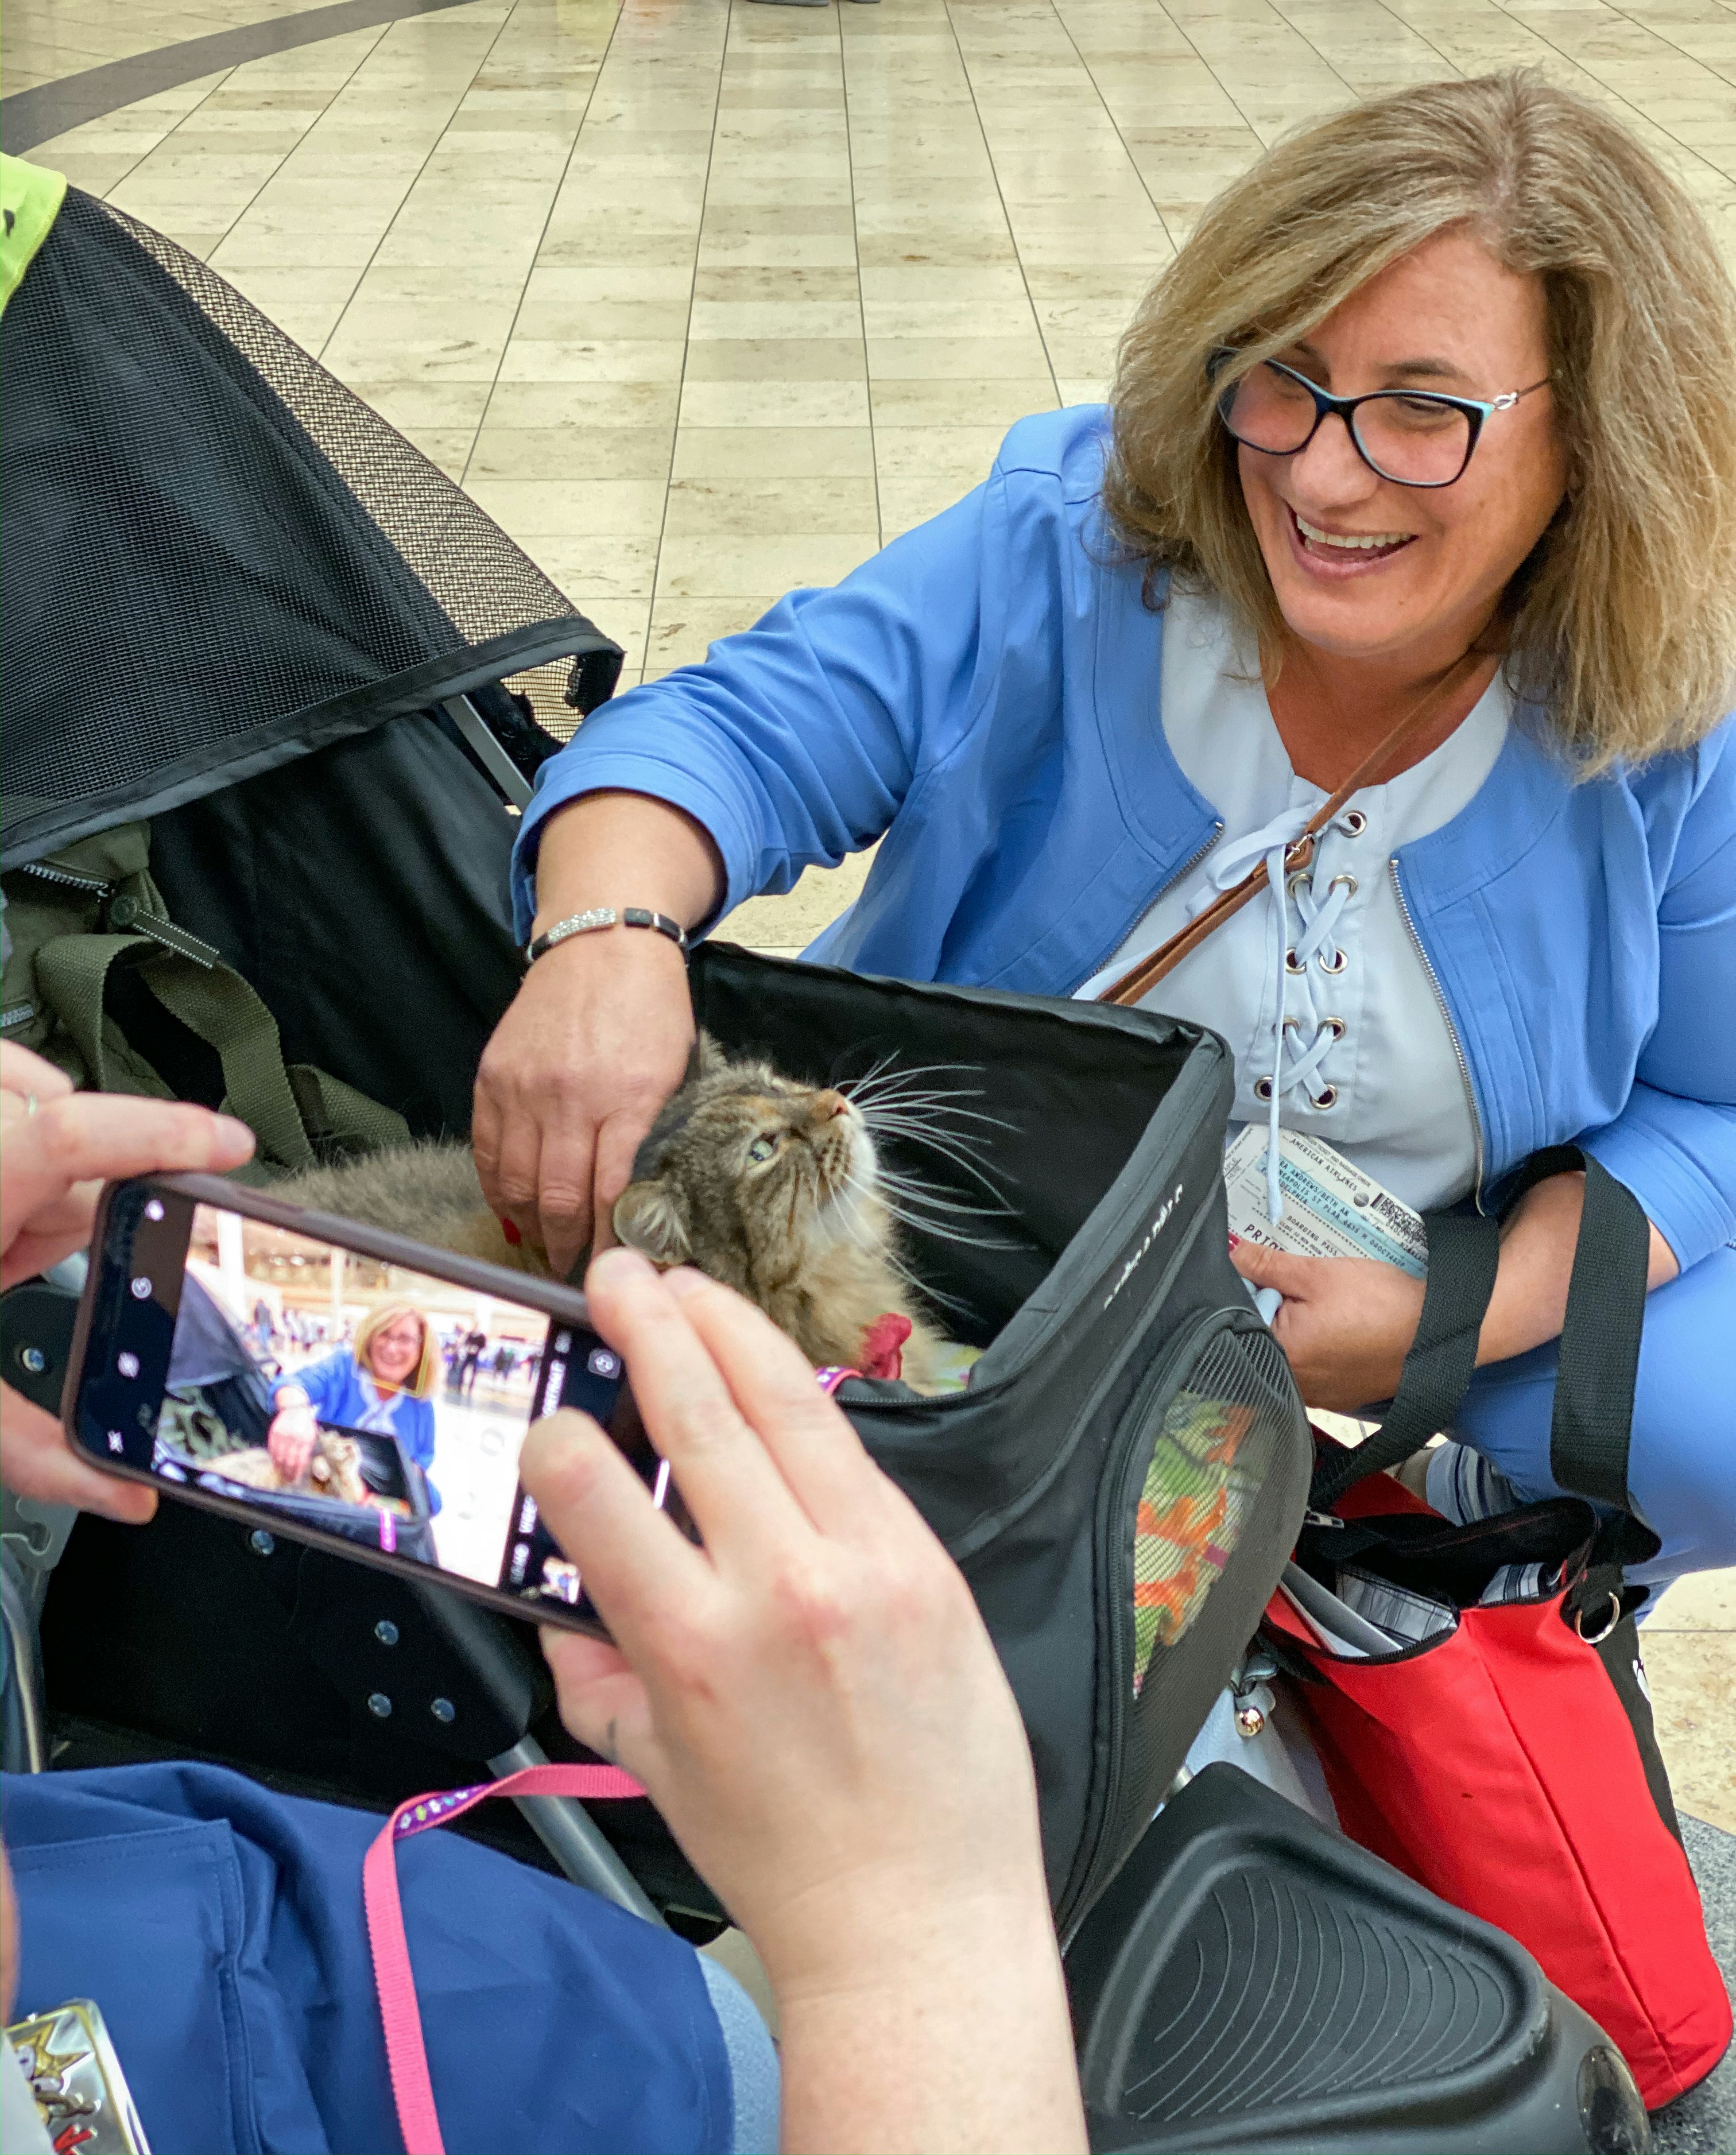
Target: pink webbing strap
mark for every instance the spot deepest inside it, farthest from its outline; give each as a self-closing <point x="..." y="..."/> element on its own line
<point x="412" y="2089"/>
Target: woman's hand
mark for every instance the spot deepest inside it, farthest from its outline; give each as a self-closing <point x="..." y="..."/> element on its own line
<point x="54" y="1157"/>
<point x="814" y="1706"/>
<point x="1346" y="1323"/>
<point x="599" y="1034"/>
<point x="594" y="1042"/>
<point x="293" y="1434"/>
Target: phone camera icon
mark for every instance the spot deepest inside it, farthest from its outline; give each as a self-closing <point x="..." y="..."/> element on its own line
<point x="154" y="1210"/>
<point x="141" y="1290"/>
<point x="127" y="1364"/>
<point x="601" y="1363"/>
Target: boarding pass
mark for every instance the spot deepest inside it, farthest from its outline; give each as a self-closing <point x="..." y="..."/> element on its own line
<point x="1330" y="1208"/>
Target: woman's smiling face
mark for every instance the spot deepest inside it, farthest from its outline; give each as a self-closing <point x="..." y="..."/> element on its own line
<point x="395" y="1350"/>
<point x="1446" y="317"/>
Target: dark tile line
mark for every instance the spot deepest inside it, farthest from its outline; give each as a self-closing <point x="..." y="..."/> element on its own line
<point x="30" y="117"/>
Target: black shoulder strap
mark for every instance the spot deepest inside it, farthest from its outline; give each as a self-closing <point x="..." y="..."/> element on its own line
<point x="1463" y="1248"/>
<point x="1592" y="1422"/>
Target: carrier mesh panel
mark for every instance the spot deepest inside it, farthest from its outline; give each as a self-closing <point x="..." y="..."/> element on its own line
<point x="1204" y="1503"/>
<point x="215" y="556"/>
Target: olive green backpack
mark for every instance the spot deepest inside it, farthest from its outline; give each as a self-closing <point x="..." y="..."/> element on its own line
<point x="79" y="919"/>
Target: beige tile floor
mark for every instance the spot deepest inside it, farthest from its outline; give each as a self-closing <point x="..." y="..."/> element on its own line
<point x="702" y="299"/>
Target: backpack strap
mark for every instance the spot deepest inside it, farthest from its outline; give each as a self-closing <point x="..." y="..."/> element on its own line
<point x="115" y="911"/>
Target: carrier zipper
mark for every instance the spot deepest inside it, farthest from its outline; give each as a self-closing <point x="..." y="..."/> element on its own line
<point x="1452" y="1030"/>
<point x="1162" y="892"/>
<point x="1161" y="1375"/>
<point x="19" y="1014"/>
<point x="128" y="917"/>
<point x="64" y="876"/>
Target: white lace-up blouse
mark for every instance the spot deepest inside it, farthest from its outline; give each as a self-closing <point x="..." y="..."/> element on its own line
<point x="1369" y="1064"/>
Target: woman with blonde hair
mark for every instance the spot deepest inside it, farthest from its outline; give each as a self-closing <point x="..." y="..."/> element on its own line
<point x="383" y="1383"/>
<point x="1434" y="415"/>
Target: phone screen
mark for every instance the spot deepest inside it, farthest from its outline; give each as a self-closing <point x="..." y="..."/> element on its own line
<point x="331" y="1392"/>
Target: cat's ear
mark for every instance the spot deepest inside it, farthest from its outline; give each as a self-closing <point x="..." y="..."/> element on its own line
<point x="648" y="1219"/>
<point x="706" y="1059"/>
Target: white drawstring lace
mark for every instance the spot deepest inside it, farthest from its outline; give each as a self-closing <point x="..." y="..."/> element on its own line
<point x="1320" y="899"/>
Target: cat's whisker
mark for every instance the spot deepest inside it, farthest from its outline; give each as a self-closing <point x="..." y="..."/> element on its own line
<point x="946" y="1144"/>
<point x="924" y="1193"/>
<point x="913" y="1126"/>
<point x="940" y="1231"/>
<point x="939" y="1111"/>
<point x="912" y="1070"/>
<point x="938" y="1107"/>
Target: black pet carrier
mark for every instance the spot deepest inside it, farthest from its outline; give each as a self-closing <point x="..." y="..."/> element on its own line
<point x="1126" y="1471"/>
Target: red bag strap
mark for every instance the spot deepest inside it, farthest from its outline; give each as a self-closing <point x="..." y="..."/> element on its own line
<point x="412" y="2091"/>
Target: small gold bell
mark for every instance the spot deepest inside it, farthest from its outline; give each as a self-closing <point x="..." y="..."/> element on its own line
<point x="1249" y="1721"/>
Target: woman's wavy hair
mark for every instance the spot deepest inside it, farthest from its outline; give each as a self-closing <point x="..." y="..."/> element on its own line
<point x="1622" y="622"/>
<point x="421" y="1383"/>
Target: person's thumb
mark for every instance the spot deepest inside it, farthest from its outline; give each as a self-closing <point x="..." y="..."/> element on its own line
<point x="1261" y="1267"/>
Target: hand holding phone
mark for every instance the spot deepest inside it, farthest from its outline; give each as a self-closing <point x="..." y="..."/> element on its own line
<point x="56" y="1147"/>
<point x="324" y="1380"/>
<point x="810" y="1699"/>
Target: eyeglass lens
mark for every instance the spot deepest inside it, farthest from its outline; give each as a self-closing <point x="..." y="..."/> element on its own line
<point x="1418" y="440"/>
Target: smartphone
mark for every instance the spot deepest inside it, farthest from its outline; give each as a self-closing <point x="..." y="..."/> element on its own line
<point x="329" y="1381"/>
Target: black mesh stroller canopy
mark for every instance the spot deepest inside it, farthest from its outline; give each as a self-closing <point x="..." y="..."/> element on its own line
<point x="216" y="558"/>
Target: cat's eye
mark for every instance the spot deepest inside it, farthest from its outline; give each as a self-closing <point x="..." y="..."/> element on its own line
<point x="762" y="1149"/>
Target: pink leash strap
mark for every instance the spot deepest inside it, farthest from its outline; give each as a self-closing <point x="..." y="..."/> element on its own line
<point x="412" y="2089"/>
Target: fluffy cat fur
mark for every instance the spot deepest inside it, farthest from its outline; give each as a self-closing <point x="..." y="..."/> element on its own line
<point x="767" y="1185"/>
<point x="334" y="1470"/>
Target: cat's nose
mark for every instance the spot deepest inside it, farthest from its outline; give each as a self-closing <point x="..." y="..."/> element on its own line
<point x="827" y="1105"/>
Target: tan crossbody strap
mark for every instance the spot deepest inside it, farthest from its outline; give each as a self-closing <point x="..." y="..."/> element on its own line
<point x="1140" y="979"/>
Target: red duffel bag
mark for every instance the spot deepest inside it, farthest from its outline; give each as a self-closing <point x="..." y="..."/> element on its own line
<point x="1475" y="1691"/>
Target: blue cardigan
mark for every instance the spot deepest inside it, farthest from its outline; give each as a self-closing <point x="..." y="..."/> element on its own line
<point x="334" y="1385"/>
<point x="984" y="692"/>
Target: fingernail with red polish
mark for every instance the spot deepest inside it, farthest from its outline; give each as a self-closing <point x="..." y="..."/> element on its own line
<point x="511" y="1233"/>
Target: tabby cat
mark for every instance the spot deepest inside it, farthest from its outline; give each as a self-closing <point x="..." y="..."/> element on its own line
<point x="768" y="1184"/>
<point x="198" y="1433"/>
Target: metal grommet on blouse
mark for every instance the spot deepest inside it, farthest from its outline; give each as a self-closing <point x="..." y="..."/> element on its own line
<point x="1334" y="1026"/>
<point x="1263" y="1088"/>
<point x="1347" y="883"/>
<point x="1292" y="964"/>
<point x="1353" y="822"/>
<point x="1326" y="1097"/>
<point x="1330" y="970"/>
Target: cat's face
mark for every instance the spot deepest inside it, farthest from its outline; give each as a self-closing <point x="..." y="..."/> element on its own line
<point x="748" y="1174"/>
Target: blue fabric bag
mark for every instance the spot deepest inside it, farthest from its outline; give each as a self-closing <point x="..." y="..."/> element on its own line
<point x="219" y="1927"/>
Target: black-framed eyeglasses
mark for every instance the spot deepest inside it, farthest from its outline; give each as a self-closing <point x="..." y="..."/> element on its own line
<point x="1413" y="436"/>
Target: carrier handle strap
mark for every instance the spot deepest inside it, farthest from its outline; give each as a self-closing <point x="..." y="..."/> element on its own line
<point x="1592" y="1425"/>
<point x="280" y="1105"/>
<point x="1140" y="979"/>
<point x="72" y="973"/>
<point x="216" y="1004"/>
<point x="413" y="2091"/>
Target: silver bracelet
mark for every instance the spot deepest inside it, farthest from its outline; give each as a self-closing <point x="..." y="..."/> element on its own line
<point x="605" y="916"/>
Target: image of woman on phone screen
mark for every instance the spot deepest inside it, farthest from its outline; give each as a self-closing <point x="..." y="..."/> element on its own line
<point x="382" y="1383"/>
